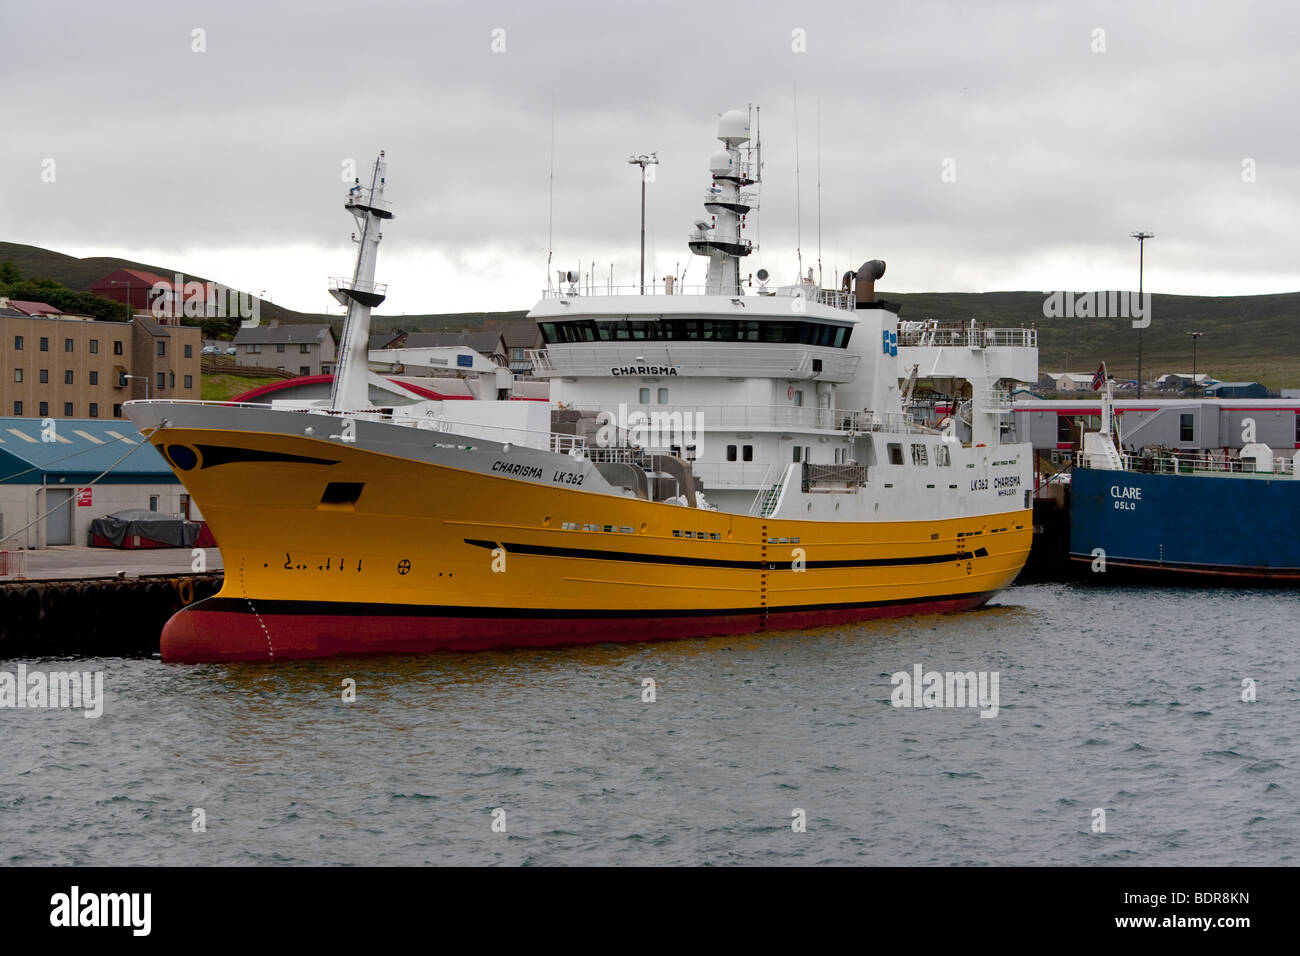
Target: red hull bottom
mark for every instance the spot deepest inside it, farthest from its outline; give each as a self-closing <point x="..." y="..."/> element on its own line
<point x="207" y="634"/>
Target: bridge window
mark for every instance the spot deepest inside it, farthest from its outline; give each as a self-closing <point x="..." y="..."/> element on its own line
<point x="645" y="396"/>
<point x="777" y="332"/>
<point x="941" y="456"/>
<point x="748" y="452"/>
<point x="895" y="453"/>
<point x="918" y="455"/>
<point x="731" y="451"/>
<point x="663" y="396"/>
<point x="1186" y="427"/>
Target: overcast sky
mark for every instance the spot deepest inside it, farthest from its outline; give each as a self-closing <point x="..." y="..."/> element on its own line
<point x="973" y="145"/>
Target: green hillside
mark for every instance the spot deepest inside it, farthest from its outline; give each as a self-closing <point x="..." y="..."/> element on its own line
<point x="1246" y="338"/>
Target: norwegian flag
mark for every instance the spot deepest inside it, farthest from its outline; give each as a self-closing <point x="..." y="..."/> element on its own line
<point x="1099" y="378"/>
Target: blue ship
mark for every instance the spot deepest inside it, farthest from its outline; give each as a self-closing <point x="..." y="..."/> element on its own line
<point x="1207" y="519"/>
<point x="1218" y="526"/>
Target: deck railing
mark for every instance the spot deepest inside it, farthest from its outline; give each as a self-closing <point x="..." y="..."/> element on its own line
<point x="1283" y="466"/>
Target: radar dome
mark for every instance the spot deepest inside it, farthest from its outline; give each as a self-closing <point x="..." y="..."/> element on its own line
<point x="720" y="163"/>
<point x="733" y="127"/>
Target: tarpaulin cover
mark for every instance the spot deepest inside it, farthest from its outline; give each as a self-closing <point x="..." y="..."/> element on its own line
<point x="166" y="529"/>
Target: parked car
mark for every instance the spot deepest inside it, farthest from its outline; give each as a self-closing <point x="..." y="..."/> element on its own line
<point x="230" y="351"/>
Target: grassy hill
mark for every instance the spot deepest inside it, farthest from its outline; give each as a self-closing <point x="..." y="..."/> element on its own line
<point x="1246" y="338"/>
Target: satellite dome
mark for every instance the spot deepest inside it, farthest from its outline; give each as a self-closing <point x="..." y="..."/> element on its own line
<point x="733" y="127"/>
<point x="720" y="163"/>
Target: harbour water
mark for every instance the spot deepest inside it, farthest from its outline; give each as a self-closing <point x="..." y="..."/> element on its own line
<point x="1127" y="701"/>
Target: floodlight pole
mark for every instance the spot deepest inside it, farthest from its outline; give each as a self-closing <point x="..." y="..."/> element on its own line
<point x="1196" y="384"/>
<point x="1141" y="237"/>
<point x="643" y="161"/>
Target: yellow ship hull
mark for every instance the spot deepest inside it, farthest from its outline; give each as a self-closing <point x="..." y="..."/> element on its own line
<point x="430" y="557"/>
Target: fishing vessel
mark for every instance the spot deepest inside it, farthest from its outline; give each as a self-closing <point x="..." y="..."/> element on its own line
<point x="1201" y="516"/>
<point x="727" y="459"/>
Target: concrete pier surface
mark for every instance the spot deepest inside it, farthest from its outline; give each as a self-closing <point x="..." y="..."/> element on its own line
<point x="74" y="562"/>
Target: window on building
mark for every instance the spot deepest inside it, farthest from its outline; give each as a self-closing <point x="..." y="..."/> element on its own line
<point x="69" y="345"/>
<point x="153" y="502"/>
<point x="94" y="409"/>
<point x="189" y="351"/>
<point x="94" y="378"/>
<point x="45" y="376"/>
<point x="279" y="347"/>
<point x="189" y="381"/>
<point x="517" y="355"/>
<point x="663" y="396"/>
<point x="252" y="349"/>
<point x="18" y="408"/>
<point x="45" y="409"/>
<point x="1064" y="430"/>
<point x="117" y="347"/>
<point x="67" y="409"/>
<point x="1186" y="427"/>
<point x="645" y="396"/>
<point x="171" y="379"/>
<point x="305" y="348"/>
<point x="731" y="453"/>
<point x="162" y="379"/>
<point x="304" y="369"/>
<point x="895" y="453"/>
<point x="94" y="346"/>
<point x="18" y="343"/>
<point x="748" y="452"/>
<point x="918" y="455"/>
<point x="117" y="411"/>
<point x="45" y="344"/>
<point x="162" y="346"/>
<point x="67" y="377"/>
<point x="18" y="375"/>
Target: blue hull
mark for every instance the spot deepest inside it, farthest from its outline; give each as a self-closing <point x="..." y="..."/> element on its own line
<point x="1196" y="525"/>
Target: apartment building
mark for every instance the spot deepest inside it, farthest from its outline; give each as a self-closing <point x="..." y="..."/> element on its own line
<point x="66" y="366"/>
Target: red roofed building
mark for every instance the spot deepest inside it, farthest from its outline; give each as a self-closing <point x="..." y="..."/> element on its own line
<point x="33" y="308"/>
<point x="130" y="286"/>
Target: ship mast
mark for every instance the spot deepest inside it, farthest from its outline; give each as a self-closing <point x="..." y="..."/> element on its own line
<point x="719" y="238"/>
<point x="351" y="388"/>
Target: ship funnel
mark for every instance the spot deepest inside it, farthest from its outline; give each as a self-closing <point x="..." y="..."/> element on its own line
<point x="868" y="273"/>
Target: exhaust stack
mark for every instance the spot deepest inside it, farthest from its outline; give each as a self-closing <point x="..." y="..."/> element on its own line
<point x="865" y="287"/>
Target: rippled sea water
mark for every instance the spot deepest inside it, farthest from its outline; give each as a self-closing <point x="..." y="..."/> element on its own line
<point x="1124" y="700"/>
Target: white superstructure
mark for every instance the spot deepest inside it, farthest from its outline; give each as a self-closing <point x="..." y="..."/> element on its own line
<point x="780" y="401"/>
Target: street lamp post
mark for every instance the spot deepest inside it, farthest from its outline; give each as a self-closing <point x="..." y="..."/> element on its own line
<point x="113" y="282"/>
<point x="145" y="379"/>
<point x="1196" y="383"/>
<point x="643" y="161"/>
<point x="1141" y="237"/>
